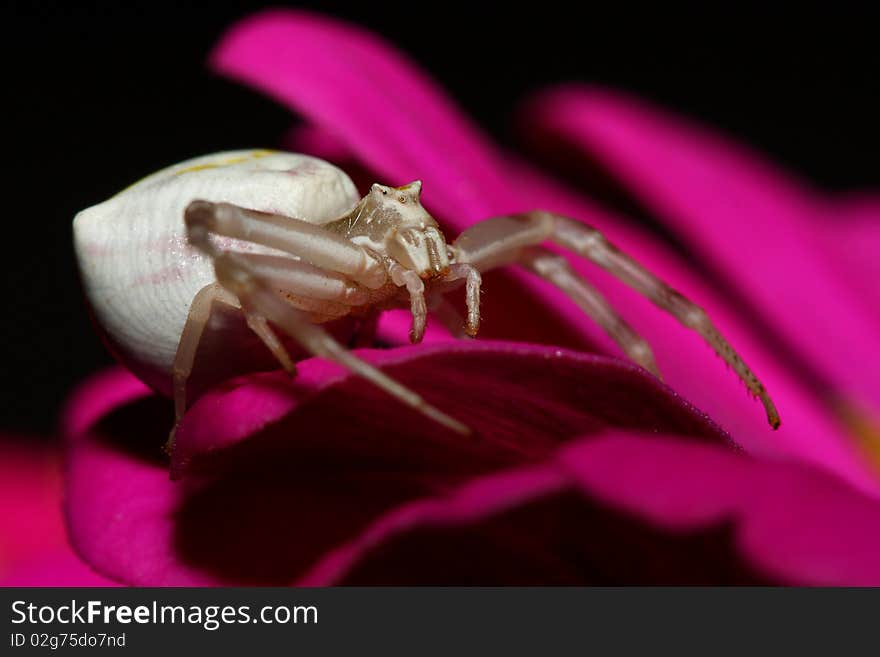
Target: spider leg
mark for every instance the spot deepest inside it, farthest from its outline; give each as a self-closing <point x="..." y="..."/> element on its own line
<point x="556" y="269"/>
<point x="473" y="280"/>
<point x="306" y="280"/>
<point x="326" y="295"/>
<point x="184" y="358"/>
<point x="259" y="325"/>
<point x="196" y="321"/>
<point x="499" y="241"/>
<point x="235" y="274"/>
<point x="401" y="276"/>
<point x="309" y="242"/>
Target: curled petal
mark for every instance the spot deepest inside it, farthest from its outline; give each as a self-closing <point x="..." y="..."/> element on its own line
<point x="276" y="473"/>
<point x="625" y="509"/>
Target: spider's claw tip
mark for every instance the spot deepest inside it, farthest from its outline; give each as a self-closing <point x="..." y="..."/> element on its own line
<point x="772" y="414"/>
<point x="168" y="447"/>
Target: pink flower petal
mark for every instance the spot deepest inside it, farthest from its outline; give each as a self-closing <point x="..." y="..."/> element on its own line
<point x="619" y="509"/>
<point x="322" y="69"/>
<point x="848" y="233"/>
<point x="746" y="220"/>
<point x="60" y="567"/>
<point x="30" y="485"/>
<point x="354" y="83"/>
<point x="33" y="544"/>
<point x="272" y="466"/>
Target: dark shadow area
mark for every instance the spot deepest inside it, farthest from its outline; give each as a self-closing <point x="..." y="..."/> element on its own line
<point x="138" y="429"/>
<point x="563" y="539"/>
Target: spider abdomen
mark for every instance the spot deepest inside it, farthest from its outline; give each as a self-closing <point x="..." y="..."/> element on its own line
<point x="140" y="274"/>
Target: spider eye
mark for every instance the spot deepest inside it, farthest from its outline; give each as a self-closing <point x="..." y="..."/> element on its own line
<point x="402" y="199"/>
<point x="385" y="192"/>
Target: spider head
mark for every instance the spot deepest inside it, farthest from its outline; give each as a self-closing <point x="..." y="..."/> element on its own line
<point x="415" y="241"/>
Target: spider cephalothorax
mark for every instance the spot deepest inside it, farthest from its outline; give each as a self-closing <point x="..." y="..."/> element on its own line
<point x="393" y="222"/>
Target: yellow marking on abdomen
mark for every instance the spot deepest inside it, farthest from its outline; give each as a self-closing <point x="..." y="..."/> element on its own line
<point x="253" y="155"/>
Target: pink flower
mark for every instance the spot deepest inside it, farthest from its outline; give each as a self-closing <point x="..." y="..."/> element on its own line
<point x="585" y="469"/>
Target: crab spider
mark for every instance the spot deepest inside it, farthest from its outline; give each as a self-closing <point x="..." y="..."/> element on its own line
<point x="285" y="241"/>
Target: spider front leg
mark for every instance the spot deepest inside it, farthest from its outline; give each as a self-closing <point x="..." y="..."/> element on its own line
<point x="443" y="310"/>
<point x="300" y="238"/>
<point x="473" y="281"/>
<point x="401" y="276"/>
<point x="505" y="240"/>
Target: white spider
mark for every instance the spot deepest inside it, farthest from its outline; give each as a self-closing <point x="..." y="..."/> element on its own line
<point x="285" y="241"/>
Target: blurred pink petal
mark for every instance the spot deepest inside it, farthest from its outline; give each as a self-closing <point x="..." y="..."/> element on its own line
<point x="849" y="236"/>
<point x="279" y="472"/>
<point x="747" y="221"/>
<point x="352" y="82"/>
<point x="30" y="482"/>
<point x="61" y="567"/>
<point x="617" y="509"/>
<point x="338" y="76"/>
<point x="33" y="544"/>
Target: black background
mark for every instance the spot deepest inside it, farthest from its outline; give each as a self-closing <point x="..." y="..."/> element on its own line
<point x="95" y="97"/>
